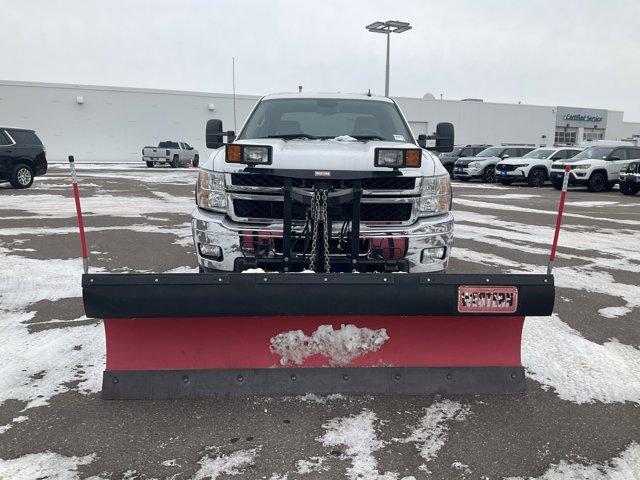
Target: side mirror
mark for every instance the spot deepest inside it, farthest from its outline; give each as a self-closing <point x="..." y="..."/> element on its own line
<point x="504" y="157"/>
<point x="444" y="137"/>
<point x="422" y="140"/>
<point x="214" y="134"/>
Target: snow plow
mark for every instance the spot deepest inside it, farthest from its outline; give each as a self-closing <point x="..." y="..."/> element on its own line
<point x="337" y="329"/>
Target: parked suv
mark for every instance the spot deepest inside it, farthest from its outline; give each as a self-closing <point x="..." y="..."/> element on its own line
<point x="534" y="167"/>
<point x="630" y="179"/>
<point x="483" y="164"/>
<point x="449" y="158"/>
<point x="596" y="167"/>
<point x="22" y="156"/>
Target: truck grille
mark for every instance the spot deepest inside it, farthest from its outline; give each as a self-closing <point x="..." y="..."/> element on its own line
<point x="370" y="212"/>
<point x="505" y="168"/>
<point x="270" y="181"/>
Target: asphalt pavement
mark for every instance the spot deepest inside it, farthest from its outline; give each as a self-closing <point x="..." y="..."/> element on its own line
<point x="580" y="413"/>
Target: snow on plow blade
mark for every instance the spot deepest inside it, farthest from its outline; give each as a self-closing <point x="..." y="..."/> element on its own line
<point x="196" y="335"/>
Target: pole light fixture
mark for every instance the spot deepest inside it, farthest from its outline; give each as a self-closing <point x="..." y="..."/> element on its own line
<point x="388" y="27"/>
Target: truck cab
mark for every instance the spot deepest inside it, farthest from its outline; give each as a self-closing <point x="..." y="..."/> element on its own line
<point x="294" y="144"/>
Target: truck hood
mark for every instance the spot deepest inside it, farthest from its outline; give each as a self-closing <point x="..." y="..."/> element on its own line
<point x="326" y="155"/>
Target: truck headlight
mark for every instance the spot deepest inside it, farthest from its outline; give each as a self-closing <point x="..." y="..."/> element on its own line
<point x="582" y="167"/>
<point x="210" y="192"/>
<point x="474" y="165"/>
<point x="435" y="195"/>
<point x="398" y="158"/>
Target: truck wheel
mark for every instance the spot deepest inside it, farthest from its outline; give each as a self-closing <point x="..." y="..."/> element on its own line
<point x="536" y="178"/>
<point x="628" y="189"/>
<point x="196" y="161"/>
<point x="22" y="176"/>
<point x="597" y="182"/>
<point x="489" y="174"/>
<point x="175" y="162"/>
<point x="150" y="164"/>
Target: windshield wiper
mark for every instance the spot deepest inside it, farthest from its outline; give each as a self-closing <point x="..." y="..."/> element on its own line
<point x="367" y="137"/>
<point x="291" y="136"/>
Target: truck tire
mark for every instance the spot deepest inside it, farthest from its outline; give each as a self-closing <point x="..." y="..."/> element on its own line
<point x="150" y="164"/>
<point x="597" y="182"/>
<point x="537" y="177"/>
<point x="21" y="176"/>
<point x="175" y="162"/>
<point x="196" y="161"/>
<point x="629" y="189"/>
<point x="489" y="174"/>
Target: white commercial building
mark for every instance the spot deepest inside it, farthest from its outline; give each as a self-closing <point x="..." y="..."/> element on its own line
<point x="96" y="123"/>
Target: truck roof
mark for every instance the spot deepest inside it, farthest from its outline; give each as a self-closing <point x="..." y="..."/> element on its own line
<point x="337" y="95"/>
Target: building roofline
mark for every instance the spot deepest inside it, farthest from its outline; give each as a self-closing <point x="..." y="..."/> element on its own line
<point x="70" y="86"/>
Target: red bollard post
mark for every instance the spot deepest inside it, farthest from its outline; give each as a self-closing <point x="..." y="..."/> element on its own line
<point x="76" y="195"/>
<point x="556" y="234"/>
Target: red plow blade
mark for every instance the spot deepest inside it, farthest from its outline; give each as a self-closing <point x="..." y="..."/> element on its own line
<point x="194" y="335"/>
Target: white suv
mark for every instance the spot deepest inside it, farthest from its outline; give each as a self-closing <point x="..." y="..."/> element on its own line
<point x="532" y="168"/>
<point x="483" y="164"/>
<point x="596" y="167"/>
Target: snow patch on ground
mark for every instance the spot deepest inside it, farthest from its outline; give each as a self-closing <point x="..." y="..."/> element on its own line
<point x="58" y="206"/>
<point x="579" y="370"/>
<point x="614" y="312"/>
<point x="594" y="203"/>
<point x="626" y="466"/>
<point x="358" y="434"/>
<point x="215" y="464"/>
<point x="20" y="419"/>
<point x="184" y="269"/>
<point x="339" y="346"/>
<point x="431" y="432"/>
<point x="47" y="362"/>
<point x="313" y="464"/>
<point x="506" y="196"/>
<point x="46" y="465"/>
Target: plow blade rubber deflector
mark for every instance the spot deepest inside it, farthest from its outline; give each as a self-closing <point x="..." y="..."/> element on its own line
<point x="196" y="335"/>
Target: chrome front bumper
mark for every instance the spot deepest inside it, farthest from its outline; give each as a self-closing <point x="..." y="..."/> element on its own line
<point x="217" y="229"/>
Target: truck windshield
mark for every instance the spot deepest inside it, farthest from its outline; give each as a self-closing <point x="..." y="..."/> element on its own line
<point x="323" y="118"/>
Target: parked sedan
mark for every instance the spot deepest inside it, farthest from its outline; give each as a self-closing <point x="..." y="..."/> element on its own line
<point x="630" y="179"/>
<point x="533" y="167"/>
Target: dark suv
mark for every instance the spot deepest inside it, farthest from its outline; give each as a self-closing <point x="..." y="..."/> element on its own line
<point x="630" y="179"/>
<point x="449" y="158"/>
<point x="22" y="156"/>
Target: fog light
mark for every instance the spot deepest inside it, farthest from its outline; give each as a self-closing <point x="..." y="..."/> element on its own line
<point x="429" y="254"/>
<point x="213" y="252"/>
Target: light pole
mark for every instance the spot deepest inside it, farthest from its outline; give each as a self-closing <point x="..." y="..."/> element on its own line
<point x="388" y="27"/>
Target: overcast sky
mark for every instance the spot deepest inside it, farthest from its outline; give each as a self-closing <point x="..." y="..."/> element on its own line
<point x="576" y="52"/>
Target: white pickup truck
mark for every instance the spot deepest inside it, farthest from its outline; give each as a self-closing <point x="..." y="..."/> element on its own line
<point x="323" y="182"/>
<point x="176" y="154"/>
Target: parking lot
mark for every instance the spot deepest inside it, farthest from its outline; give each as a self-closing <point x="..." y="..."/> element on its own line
<point x="579" y="418"/>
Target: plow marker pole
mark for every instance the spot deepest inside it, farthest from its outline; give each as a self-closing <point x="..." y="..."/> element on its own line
<point x="76" y="196"/>
<point x="556" y="234"/>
